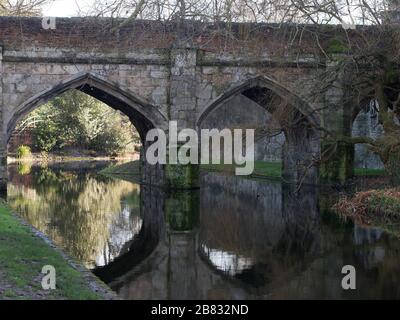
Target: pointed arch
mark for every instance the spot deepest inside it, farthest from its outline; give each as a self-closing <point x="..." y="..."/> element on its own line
<point x="143" y="115"/>
<point x="262" y="82"/>
<point x="302" y="137"/>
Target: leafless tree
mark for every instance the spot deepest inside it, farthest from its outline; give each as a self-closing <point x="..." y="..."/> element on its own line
<point x="22" y="7"/>
<point x="368" y="54"/>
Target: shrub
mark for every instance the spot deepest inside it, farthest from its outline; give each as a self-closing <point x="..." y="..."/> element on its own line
<point x="23" y="152"/>
<point x="368" y="207"/>
<point x="112" y="141"/>
<point x="24" y="168"/>
<point x="46" y="136"/>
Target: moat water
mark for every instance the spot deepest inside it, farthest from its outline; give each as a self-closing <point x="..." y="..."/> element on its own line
<point x="234" y="238"/>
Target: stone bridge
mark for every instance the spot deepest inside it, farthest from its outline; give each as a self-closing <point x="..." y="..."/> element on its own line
<point x="196" y="74"/>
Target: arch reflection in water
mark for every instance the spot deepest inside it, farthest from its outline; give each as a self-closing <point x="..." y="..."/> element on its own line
<point x="90" y="216"/>
<point x="232" y="239"/>
<point x="228" y="253"/>
<point x="266" y="226"/>
<point x="256" y="240"/>
<point x="227" y="262"/>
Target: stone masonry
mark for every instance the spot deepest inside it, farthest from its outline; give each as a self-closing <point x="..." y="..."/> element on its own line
<point x="155" y="73"/>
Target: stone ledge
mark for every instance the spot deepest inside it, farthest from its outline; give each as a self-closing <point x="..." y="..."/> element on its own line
<point x="69" y="60"/>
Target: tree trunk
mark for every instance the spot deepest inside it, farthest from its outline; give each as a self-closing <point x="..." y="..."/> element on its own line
<point x="392" y="166"/>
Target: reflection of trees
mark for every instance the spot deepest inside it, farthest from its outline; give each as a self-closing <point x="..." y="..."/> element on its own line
<point x="24" y="168"/>
<point x="78" y="211"/>
<point x="122" y="231"/>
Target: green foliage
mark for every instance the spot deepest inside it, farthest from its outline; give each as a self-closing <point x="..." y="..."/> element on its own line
<point x="46" y="135"/>
<point x="74" y="208"/>
<point x="23" y="152"/>
<point x="112" y="140"/>
<point x="24" y="168"/>
<point x="77" y="120"/>
<point x="337" y="46"/>
<point x="391" y="73"/>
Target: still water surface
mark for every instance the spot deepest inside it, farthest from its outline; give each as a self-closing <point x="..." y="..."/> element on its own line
<point x="234" y="239"/>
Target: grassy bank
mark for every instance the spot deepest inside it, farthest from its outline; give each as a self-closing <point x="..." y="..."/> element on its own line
<point x="379" y="208"/>
<point x="369" y="172"/>
<point x="132" y="169"/>
<point x="261" y="169"/>
<point x="274" y="169"/>
<point x="22" y="257"/>
<point x="129" y="171"/>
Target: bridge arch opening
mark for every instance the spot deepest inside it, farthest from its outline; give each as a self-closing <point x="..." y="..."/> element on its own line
<point x="140" y="114"/>
<point x="365" y="123"/>
<point x="285" y="126"/>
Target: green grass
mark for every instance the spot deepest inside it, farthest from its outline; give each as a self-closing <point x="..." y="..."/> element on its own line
<point x="274" y="169"/>
<point x="22" y="257"/>
<point x="129" y="171"/>
<point x="128" y="168"/>
<point x="261" y="169"/>
<point x="368" y="172"/>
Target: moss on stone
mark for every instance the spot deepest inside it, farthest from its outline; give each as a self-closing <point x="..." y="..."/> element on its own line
<point x="338" y="167"/>
<point x="182" y="209"/>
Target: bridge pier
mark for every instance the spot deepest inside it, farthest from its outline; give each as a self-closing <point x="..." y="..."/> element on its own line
<point x="300" y="150"/>
<point x="180" y="176"/>
<point x="183" y="106"/>
<point x="182" y="214"/>
<point x="169" y="176"/>
<point x="182" y="210"/>
<point x="337" y="164"/>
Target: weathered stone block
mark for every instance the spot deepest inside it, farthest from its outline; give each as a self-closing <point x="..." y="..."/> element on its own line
<point x="209" y="70"/>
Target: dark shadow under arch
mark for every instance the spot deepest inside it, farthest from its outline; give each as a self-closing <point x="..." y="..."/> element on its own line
<point x="274" y="87"/>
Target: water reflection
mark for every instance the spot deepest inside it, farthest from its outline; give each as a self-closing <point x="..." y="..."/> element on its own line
<point x="257" y="240"/>
<point x="228" y="262"/>
<point x="232" y="239"/>
<point x="92" y="217"/>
